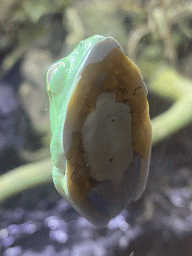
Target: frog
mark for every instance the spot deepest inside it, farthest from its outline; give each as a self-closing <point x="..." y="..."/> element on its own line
<point x="101" y="129"/>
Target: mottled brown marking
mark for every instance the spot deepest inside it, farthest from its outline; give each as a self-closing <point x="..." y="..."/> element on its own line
<point x="124" y="79"/>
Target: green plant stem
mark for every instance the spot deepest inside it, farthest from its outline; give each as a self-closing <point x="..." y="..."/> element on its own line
<point x="171" y="121"/>
<point x="170" y="85"/>
<point x="24" y="177"/>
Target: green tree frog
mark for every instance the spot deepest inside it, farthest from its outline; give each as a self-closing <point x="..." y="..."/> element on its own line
<point x="101" y="130"/>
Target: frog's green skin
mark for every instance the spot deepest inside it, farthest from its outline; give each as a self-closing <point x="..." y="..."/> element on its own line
<point x="60" y="86"/>
<point x="62" y="79"/>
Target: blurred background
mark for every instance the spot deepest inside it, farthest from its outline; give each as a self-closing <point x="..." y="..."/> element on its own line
<point x="34" y="219"/>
